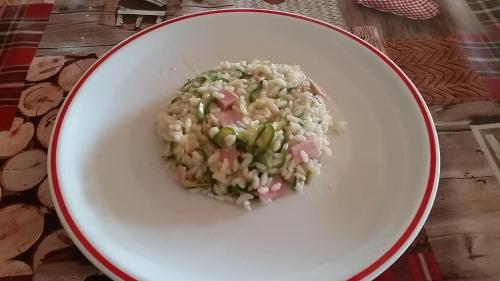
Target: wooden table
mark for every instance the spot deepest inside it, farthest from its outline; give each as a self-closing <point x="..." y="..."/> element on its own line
<point x="464" y="225"/>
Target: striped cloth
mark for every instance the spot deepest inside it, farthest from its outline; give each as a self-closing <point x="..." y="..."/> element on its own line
<point x="418" y="263"/>
<point x="421" y="266"/>
<point x="21" y="29"/>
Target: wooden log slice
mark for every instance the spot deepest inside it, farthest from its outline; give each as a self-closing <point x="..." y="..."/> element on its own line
<point x="14" y="140"/>
<point x="44" y="127"/>
<point x="22" y="225"/>
<point x="72" y="72"/>
<point x="44" y="67"/>
<point x="43" y="194"/>
<point x="15" y="270"/>
<point x="55" y="241"/>
<point x="24" y="171"/>
<point x="64" y="270"/>
<point x="40" y="98"/>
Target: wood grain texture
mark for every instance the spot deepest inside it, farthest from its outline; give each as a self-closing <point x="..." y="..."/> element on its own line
<point x="459" y="117"/>
<point x="108" y="16"/>
<point x="15" y="139"/>
<point x="99" y="50"/>
<point x="22" y="225"/>
<point x="78" y="31"/>
<point x="194" y="6"/>
<point x="464" y="228"/>
<point x="464" y="221"/>
<point x="66" y="6"/>
<point x="26" y="213"/>
<point x="461" y="156"/>
<point x="464" y="224"/>
<point x="15" y="270"/>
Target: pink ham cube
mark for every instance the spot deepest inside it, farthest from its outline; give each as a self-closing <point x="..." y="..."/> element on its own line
<point x="317" y="90"/>
<point x="310" y="146"/>
<point x="229" y="98"/>
<point x="229" y="153"/>
<point x="270" y="195"/>
<point x="228" y="117"/>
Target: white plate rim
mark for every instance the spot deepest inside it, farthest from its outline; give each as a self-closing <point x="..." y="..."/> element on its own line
<point x="371" y="271"/>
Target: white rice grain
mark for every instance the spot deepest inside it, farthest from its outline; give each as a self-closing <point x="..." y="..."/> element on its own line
<point x="276" y="187"/>
<point x="292" y="118"/>
<point x="214" y="157"/>
<point x="243" y="197"/>
<point x="273" y="107"/>
<point x="263" y="189"/>
<point x="217" y="95"/>
<point x="255" y="182"/>
<point x="194" y="101"/>
<point x="213" y="119"/>
<point x="304" y="156"/>
<point x="235" y="165"/>
<point x="225" y="166"/>
<point x="247" y="205"/>
<point x="212" y="132"/>
<point x="277" y="144"/>
<point x="298" y="138"/>
<point x="229" y="140"/>
<point x="281" y="103"/>
<point x="264" y="178"/>
<point x="260" y="166"/>
<point x="246" y="162"/>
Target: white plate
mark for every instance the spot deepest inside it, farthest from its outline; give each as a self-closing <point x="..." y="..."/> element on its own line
<point x="130" y="218"/>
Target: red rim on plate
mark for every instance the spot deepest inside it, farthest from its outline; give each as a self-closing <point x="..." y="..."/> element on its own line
<point x="94" y="253"/>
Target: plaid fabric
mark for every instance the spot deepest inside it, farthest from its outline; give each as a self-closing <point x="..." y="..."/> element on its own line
<point x="416" y="9"/>
<point x="484" y="53"/>
<point x="21" y="29"/>
<point x="486" y="11"/>
<point x="483" y="50"/>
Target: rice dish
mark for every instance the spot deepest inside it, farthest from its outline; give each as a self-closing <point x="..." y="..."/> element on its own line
<point x="246" y="132"/>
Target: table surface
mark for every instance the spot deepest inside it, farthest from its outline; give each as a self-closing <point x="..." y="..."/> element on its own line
<point x="464" y="225"/>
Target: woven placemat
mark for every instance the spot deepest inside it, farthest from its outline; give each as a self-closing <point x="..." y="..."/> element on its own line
<point x="439" y="68"/>
<point x="325" y="10"/>
<point x="472" y="58"/>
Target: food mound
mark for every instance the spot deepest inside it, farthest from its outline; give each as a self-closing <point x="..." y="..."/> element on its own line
<point x="246" y="132"/>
